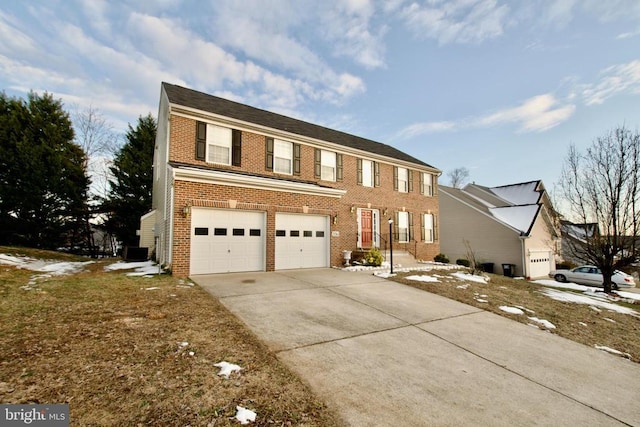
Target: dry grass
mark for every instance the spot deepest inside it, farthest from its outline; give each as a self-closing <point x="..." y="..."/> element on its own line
<point x="620" y="331"/>
<point x="108" y="347"/>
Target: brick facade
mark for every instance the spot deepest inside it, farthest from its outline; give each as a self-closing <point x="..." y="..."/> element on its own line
<point x="342" y="211"/>
<point x="304" y="194"/>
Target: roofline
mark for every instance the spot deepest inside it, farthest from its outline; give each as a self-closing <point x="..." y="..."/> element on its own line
<point x="181" y="110"/>
<point x="204" y="114"/>
<point x="441" y="190"/>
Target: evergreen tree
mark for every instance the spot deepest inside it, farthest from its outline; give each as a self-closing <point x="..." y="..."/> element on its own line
<point x="130" y="188"/>
<point x="43" y="183"/>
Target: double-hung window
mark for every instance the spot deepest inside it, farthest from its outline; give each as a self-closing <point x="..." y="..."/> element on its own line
<point x="403" y="227"/>
<point x="427" y="184"/>
<point x="283" y="157"/>
<point x="328" y="165"/>
<point x="367" y="173"/>
<point x="427" y="228"/>
<point x="219" y="144"/>
<point x="403" y="180"/>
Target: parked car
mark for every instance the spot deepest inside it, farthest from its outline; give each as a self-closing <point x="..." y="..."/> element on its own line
<point x="592" y="276"/>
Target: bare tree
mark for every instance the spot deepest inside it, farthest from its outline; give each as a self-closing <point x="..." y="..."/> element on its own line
<point x="95" y="135"/>
<point x="600" y="188"/>
<point x="458" y="177"/>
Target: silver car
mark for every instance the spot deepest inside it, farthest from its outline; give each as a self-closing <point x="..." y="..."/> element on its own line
<point x="592" y="276"/>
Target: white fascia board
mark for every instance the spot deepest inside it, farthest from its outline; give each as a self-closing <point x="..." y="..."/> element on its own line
<point x="259" y="183"/>
<point x="192" y="113"/>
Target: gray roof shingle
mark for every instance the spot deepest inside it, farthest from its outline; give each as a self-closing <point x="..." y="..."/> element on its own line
<point x="201" y="101"/>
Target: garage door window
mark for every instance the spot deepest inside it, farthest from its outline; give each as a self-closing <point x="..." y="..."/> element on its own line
<point x="219" y="231"/>
<point x="201" y="231"/>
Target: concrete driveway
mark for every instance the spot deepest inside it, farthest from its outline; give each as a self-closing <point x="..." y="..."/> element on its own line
<point x="386" y="354"/>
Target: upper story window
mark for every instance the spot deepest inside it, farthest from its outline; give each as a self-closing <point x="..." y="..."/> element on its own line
<point x="402" y="179"/>
<point x="218" y="145"/>
<point x="368" y="173"/>
<point x="427" y="184"/>
<point x="283" y="157"/>
<point x="328" y="165"/>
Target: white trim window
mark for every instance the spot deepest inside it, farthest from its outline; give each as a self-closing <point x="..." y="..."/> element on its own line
<point x="283" y="157"/>
<point x="403" y="180"/>
<point x="427" y="184"/>
<point x="367" y="173"/>
<point x="428" y="228"/>
<point x="328" y="165"/>
<point x="403" y="226"/>
<point x="219" y="144"/>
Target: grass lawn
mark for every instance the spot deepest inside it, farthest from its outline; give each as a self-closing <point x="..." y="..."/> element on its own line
<point x="111" y="348"/>
<point x="577" y="322"/>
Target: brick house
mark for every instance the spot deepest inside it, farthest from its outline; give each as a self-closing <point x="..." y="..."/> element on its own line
<point x="238" y="188"/>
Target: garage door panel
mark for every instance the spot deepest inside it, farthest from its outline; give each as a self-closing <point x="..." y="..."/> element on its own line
<point x="302" y="241"/>
<point x="227" y="241"/>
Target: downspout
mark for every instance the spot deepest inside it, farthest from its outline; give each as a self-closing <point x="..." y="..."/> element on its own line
<point x="523" y="237"/>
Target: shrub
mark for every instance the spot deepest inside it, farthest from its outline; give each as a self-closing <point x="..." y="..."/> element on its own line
<point x="441" y="258"/>
<point x="373" y="257"/>
<point x="463" y="262"/>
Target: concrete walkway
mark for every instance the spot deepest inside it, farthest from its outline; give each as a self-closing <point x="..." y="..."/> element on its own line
<point x="384" y="354"/>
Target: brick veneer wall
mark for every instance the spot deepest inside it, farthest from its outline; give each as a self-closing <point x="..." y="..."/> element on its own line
<point x="383" y="198"/>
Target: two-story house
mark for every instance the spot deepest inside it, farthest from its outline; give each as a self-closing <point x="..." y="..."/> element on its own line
<point x="237" y="188"/>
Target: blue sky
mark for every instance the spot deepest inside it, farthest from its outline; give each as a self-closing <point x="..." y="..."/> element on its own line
<point x="501" y="88"/>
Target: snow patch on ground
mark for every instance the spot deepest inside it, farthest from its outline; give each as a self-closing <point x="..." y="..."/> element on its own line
<point x="227" y="368"/>
<point x="143" y="268"/>
<point x="596" y="302"/>
<point x="512" y="310"/>
<point x="543" y="322"/>
<point x="470" y="277"/>
<point x="49" y="268"/>
<point x="423" y="278"/>
<point x="244" y="415"/>
<point x="612" y="351"/>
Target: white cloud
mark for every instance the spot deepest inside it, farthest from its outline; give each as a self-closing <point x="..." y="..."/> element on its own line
<point x="535" y="114"/>
<point x="348" y="27"/>
<point x="13" y="39"/>
<point x="628" y="34"/>
<point x="207" y="66"/>
<point x="417" y="129"/>
<point x="616" y="79"/>
<point x="458" y="21"/>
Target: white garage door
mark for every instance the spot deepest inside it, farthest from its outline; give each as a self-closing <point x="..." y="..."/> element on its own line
<point x="224" y="241"/>
<point x="539" y="263"/>
<point x="302" y="241"/>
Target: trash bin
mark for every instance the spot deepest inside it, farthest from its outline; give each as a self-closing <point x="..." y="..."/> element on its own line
<point x="509" y="270"/>
<point x="487" y="267"/>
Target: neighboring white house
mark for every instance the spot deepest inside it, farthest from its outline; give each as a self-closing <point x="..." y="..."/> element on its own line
<point x="512" y="224"/>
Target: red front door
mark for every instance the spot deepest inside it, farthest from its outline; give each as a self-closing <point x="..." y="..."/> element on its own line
<point x="366" y="228"/>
